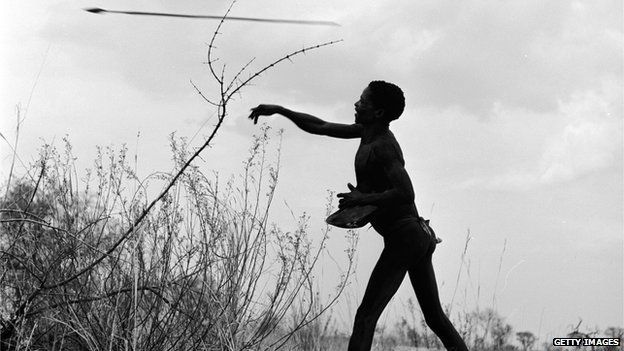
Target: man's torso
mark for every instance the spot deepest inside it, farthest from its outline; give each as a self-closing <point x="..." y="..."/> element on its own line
<point x="371" y="162"/>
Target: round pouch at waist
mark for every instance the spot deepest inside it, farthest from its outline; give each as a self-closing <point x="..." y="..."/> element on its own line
<point x="389" y="227"/>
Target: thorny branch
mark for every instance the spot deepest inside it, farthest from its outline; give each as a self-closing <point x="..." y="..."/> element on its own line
<point x="225" y="97"/>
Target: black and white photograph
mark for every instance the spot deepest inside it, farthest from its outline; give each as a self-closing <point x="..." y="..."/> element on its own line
<point x="410" y="175"/>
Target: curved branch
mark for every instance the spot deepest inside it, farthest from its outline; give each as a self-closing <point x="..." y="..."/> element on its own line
<point x="287" y="57"/>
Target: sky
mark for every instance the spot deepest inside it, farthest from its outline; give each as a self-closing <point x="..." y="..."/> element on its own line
<point x="512" y="132"/>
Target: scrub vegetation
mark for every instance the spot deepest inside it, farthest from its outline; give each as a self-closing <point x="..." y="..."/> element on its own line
<point x="205" y="269"/>
<point x="96" y="261"/>
<point x="182" y="260"/>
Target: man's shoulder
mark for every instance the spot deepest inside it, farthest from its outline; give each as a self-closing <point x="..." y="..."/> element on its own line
<point x="386" y="148"/>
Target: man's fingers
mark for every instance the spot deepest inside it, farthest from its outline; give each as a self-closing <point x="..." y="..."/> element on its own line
<point x="344" y="203"/>
<point x="254" y="115"/>
<point x="342" y="195"/>
<point x="350" y="186"/>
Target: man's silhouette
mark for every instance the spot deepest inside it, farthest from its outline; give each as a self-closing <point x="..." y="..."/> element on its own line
<point x="382" y="181"/>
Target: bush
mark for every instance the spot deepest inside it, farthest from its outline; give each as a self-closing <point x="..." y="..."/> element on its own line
<point x="203" y="270"/>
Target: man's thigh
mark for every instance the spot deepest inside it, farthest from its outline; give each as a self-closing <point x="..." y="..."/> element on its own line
<point x="384" y="281"/>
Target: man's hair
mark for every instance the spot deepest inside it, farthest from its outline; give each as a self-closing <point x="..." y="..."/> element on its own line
<point x="387" y="97"/>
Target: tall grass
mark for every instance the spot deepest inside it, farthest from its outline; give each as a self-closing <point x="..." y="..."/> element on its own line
<point x="204" y="270"/>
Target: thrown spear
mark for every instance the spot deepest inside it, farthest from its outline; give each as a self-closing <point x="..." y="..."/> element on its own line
<point x="229" y="18"/>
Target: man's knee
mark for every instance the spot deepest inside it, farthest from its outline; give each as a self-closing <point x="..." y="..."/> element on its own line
<point x="438" y="322"/>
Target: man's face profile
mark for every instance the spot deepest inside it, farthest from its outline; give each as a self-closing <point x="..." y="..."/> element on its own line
<point x="365" y="111"/>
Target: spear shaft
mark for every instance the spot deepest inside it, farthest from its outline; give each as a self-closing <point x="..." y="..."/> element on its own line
<point x="269" y="20"/>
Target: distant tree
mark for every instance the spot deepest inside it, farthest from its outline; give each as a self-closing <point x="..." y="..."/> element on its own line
<point x="526" y="339"/>
<point x="500" y="332"/>
<point x="614" y="332"/>
<point x="482" y="329"/>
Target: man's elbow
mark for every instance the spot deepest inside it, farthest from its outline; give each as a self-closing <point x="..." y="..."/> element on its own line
<point x="319" y="129"/>
<point x="310" y="128"/>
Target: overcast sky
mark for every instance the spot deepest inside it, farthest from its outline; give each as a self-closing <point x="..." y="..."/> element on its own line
<point x="512" y="130"/>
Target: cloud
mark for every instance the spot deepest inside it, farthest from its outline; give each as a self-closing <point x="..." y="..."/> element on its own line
<point x="591" y="141"/>
<point x="473" y="55"/>
<point x="152" y="55"/>
<point x="520" y="54"/>
<point x="502" y="63"/>
<point x="588" y="139"/>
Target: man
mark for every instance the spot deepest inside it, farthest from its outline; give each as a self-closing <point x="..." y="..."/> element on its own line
<point x="382" y="181"/>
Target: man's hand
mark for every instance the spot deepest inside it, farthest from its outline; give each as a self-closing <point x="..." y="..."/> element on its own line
<point x="264" y="110"/>
<point x="353" y="198"/>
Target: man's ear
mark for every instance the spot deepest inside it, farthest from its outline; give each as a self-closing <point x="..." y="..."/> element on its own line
<point x="379" y="113"/>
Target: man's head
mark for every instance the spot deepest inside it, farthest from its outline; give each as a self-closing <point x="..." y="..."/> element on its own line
<point x="387" y="97"/>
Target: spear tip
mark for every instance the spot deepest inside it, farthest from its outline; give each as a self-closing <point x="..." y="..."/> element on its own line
<point x="95" y="10"/>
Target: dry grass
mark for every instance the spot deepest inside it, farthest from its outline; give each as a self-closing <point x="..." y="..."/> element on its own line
<point x="204" y="270"/>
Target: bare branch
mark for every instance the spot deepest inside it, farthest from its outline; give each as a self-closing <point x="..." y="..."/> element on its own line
<point x="212" y="41"/>
<point x="203" y="96"/>
<point x="287" y="57"/>
<point x="153" y="289"/>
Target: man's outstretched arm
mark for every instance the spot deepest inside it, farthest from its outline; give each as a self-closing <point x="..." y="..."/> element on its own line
<point x="309" y="123"/>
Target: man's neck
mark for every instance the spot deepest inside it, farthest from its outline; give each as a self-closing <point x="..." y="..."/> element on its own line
<point x="373" y="130"/>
